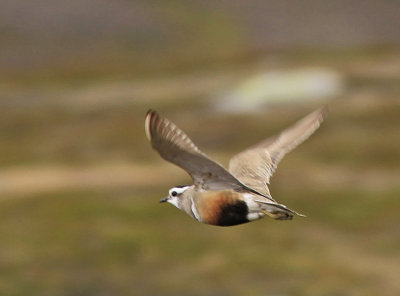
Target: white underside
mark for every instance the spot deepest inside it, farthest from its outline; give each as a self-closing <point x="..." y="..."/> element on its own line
<point x="255" y="209"/>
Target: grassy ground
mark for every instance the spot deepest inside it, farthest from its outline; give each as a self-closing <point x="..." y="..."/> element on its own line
<point x="80" y="186"/>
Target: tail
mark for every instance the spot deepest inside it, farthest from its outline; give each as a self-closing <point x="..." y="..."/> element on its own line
<point x="278" y="211"/>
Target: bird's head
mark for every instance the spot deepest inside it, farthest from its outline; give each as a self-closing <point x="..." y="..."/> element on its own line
<point x="176" y="196"/>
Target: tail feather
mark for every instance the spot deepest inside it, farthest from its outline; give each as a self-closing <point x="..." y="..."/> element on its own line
<point x="278" y="211"/>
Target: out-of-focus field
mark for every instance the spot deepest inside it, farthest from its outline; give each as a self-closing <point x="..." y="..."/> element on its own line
<point x="79" y="184"/>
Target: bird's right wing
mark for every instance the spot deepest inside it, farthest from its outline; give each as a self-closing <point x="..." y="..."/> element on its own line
<point x="255" y="166"/>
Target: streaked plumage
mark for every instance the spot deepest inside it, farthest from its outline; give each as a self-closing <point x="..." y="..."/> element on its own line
<point x="222" y="197"/>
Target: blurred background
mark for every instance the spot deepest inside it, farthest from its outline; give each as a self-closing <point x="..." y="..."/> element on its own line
<point x="80" y="185"/>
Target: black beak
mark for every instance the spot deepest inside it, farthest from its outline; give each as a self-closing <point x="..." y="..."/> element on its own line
<point x="164" y="199"/>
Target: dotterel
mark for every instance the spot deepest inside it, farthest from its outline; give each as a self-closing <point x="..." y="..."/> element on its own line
<point x="227" y="197"/>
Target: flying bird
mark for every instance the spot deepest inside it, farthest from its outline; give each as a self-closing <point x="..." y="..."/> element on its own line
<point x="234" y="196"/>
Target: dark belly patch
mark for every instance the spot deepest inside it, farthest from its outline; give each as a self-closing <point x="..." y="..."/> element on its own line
<point x="232" y="214"/>
<point x="223" y="208"/>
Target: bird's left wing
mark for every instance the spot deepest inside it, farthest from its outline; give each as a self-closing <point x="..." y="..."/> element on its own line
<point x="175" y="146"/>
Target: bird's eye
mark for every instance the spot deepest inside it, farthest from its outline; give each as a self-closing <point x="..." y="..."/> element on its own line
<point x="174" y="193"/>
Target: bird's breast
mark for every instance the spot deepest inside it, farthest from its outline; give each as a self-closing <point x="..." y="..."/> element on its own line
<point x="223" y="208"/>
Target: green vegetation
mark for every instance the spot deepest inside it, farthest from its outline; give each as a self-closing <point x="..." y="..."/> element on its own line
<point x="91" y="237"/>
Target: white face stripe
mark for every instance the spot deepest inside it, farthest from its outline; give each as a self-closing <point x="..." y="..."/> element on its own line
<point x="178" y="190"/>
<point x="173" y="193"/>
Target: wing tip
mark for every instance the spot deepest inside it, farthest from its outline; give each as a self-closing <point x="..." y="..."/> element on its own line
<point x="147" y="123"/>
<point x="319" y="115"/>
<point x="323" y="112"/>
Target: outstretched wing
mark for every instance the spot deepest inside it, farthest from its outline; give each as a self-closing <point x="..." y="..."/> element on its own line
<point x="175" y="146"/>
<point x="255" y="166"/>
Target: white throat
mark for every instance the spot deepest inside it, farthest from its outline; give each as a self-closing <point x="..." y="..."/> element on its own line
<point x="173" y="200"/>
